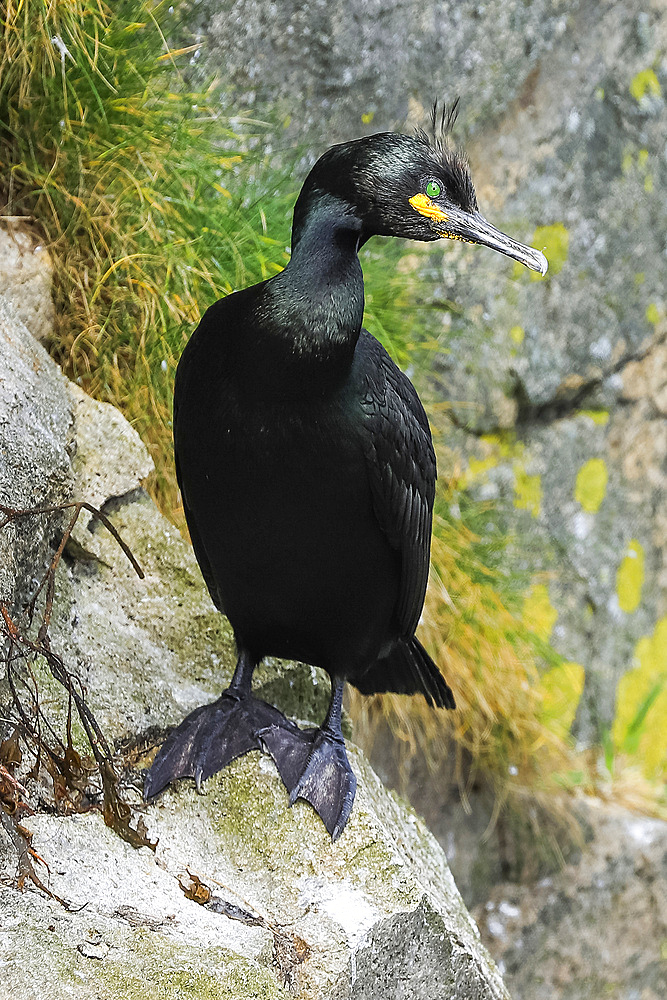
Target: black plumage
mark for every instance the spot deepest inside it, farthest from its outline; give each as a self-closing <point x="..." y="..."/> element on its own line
<point x="307" y="471"/>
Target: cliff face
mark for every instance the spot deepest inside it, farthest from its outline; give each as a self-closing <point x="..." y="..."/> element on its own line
<point x="559" y="403"/>
<point x="558" y="385"/>
<point x="280" y="911"/>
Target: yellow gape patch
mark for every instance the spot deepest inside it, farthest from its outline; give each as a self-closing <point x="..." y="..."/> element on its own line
<point x="423" y="204"/>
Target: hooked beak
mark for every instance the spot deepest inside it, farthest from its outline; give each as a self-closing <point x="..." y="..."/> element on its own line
<point x="472" y="227"/>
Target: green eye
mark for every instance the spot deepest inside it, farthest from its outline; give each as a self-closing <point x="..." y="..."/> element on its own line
<point x="433" y="189"/>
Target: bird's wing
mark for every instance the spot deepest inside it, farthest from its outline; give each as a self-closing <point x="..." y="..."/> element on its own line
<point x="401" y="466"/>
<point x="197" y="543"/>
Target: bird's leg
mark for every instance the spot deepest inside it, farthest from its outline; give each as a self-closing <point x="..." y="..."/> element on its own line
<point x="214" y="735"/>
<point x="314" y="765"/>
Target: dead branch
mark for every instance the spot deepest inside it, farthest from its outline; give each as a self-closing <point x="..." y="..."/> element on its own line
<point x="70" y="772"/>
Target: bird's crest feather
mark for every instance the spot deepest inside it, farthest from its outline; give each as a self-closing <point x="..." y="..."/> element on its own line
<point x="453" y="162"/>
<point x="441" y="125"/>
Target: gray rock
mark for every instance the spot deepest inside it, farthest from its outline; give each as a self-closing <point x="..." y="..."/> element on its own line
<point x="377" y="911"/>
<point x="347" y="67"/>
<point x="598" y="927"/>
<point x="582" y="352"/>
<point x="111" y="459"/>
<point x="25" y="278"/>
<point x="36" y="447"/>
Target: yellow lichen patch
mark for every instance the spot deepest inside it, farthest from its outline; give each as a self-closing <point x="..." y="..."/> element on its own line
<point x="554" y="241"/>
<point x="517" y="333"/>
<point x="652" y="313"/>
<point x="645" y="82"/>
<point x="478" y="466"/>
<point x="527" y="491"/>
<point x="497" y="447"/>
<point x="591" y="484"/>
<point x="539" y="614"/>
<point x="506" y="444"/>
<point x="640" y="726"/>
<point x="561" y="688"/>
<point x="630" y="577"/>
<point x="599" y="417"/>
<point x="368" y="117"/>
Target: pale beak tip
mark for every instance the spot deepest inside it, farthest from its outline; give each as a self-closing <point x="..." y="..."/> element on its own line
<point x="542" y="263"/>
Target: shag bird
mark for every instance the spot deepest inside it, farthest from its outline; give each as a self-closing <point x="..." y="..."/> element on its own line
<point x="307" y="471"/>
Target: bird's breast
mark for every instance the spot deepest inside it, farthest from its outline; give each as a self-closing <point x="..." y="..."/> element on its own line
<point x="281" y="498"/>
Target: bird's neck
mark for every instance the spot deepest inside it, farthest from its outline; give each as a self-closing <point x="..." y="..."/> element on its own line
<point x="317" y="302"/>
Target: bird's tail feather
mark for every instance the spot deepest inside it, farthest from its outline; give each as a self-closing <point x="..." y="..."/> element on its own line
<point x="407" y="669"/>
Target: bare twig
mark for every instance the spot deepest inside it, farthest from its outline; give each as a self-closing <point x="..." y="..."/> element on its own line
<point x="11" y="514"/>
<point x="69" y="771"/>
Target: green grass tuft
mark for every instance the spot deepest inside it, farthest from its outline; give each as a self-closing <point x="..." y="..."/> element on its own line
<point x="127" y="176"/>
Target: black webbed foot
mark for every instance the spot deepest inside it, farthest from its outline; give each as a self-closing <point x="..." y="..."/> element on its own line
<point x="289" y="746"/>
<point x="314" y="766"/>
<point x="210" y="738"/>
<point x="327" y="782"/>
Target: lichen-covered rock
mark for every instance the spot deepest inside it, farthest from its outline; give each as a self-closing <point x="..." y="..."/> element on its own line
<point x="375" y="913"/>
<point x="581" y="353"/>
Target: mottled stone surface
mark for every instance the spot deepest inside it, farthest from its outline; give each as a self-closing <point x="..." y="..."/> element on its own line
<point x="25" y="277"/>
<point x="377" y="912"/>
<point x="110" y="461"/>
<point x="580" y="354"/>
<point x="557" y="385"/>
<point x="596" y="929"/>
<point x="348" y="67"/>
<point x="36" y="448"/>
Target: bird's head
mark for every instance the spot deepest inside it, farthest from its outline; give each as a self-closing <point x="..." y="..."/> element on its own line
<point x="418" y="187"/>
